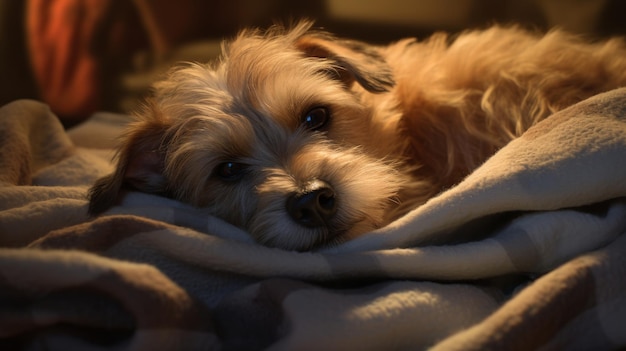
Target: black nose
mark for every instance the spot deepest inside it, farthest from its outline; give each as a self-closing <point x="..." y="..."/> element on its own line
<point x="314" y="206"/>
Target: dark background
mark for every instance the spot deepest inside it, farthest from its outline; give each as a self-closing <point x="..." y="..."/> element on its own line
<point x="128" y="43"/>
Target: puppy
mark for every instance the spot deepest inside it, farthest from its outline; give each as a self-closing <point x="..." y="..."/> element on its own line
<point x="306" y="140"/>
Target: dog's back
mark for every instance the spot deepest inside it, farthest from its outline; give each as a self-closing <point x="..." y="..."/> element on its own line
<point x="464" y="100"/>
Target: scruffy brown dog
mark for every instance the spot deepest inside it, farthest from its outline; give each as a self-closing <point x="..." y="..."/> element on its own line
<point x="305" y="140"/>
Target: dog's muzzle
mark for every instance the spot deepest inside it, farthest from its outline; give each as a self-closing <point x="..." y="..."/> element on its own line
<point x="314" y="206"/>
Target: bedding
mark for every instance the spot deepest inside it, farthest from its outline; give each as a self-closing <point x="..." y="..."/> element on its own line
<point x="528" y="252"/>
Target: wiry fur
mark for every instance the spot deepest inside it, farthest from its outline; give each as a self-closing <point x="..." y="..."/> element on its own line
<point x="406" y="121"/>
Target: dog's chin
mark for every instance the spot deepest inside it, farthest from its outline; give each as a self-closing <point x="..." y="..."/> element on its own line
<point x="304" y="239"/>
<point x="289" y="235"/>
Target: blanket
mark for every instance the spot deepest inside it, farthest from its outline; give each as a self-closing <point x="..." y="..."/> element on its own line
<point x="526" y="253"/>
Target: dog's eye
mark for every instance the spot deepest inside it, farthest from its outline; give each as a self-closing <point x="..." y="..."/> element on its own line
<point x="231" y="171"/>
<point x="316" y="119"/>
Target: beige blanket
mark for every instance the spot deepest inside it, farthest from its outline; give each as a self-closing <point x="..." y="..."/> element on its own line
<point x="528" y="252"/>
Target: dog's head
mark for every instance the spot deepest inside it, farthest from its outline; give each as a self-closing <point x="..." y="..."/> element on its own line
<point x="274" y="138"/>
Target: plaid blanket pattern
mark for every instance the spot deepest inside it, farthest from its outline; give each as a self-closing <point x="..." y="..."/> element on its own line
<point x="525" y="253"/>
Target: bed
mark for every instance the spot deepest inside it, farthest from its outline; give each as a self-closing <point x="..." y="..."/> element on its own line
<point x="528" y="252"/>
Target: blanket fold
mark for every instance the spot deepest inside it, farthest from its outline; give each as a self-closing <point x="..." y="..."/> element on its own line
<point x="153" y="272"/>
<point x="83" y="301"/>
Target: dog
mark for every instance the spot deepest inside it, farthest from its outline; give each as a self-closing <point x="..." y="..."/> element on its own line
<point x="306" y="140"/>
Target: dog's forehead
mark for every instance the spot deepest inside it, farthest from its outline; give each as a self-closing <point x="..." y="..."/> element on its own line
<point x="258" y="90"/>
<point x="274" y="78"/>
<point x="265" y="77"/>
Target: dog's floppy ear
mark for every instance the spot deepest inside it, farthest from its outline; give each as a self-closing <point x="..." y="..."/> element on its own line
<point x="140" y="165"/>
<point x="355" y="61"/>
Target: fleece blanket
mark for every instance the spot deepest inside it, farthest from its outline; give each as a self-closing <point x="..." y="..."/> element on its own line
<point x="528" y="252"/>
